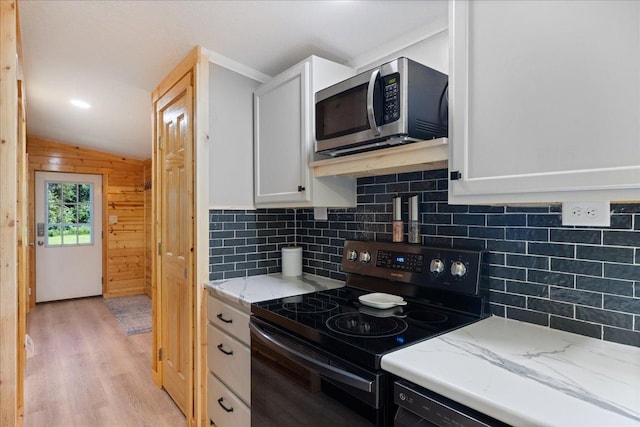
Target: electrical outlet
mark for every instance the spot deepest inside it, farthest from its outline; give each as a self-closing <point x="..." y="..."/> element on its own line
<point x="320" y="214"/>
<point x="594" y="214"/>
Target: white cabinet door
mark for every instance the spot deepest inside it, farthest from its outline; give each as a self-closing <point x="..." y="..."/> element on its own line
<point x="281" y="173"/>
<point x="544" y="101"/>
<point x="284" y="110"/>
<point x="230" y="139"/>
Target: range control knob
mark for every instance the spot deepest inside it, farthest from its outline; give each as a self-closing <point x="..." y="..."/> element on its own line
<point x="458" y="269"/>
<point x="352" y="255"/>
<point x="365" y="256"/>
<point x="436" y="266"/>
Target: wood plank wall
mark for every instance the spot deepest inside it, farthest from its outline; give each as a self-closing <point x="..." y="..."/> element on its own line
<point x="147" y="228"/>
<point x="123" y="179"/>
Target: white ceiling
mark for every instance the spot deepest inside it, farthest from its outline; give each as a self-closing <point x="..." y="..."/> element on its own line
<point x="112" y="54"/>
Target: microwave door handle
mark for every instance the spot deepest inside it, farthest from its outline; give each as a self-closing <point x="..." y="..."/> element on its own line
<point x="370" y="110"/>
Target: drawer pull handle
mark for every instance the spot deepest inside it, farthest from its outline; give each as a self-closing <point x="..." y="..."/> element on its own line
<point x="219" y="316"/>
<point x="222" y="405"/>
<point x="221" y="348"/>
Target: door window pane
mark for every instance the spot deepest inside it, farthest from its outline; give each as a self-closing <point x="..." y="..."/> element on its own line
<point x="69" y="214"/>
<point x="70" y="193"/>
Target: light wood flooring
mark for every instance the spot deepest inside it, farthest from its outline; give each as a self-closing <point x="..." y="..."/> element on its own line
<point x="86" y="371"/>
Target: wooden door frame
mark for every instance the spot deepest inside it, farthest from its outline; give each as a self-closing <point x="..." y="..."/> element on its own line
<point x="10" y="219"/>
<point x="196" y="62"/>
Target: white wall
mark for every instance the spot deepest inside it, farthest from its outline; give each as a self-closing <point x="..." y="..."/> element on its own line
<point x="432" y="52"/>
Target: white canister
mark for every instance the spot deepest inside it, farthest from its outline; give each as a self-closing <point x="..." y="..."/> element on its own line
<point x="291" y="260"/>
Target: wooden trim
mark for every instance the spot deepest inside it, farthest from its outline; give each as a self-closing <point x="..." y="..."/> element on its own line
<point x="156" y="300"/>
<point x="186" y="65"/>
<point x="105" y="232"/>
<point x="8" y="214"/>
<point x="417" y="156"/>
<point x="23" y="246"/>
<point x="201" y="232"/>
<point x="148" y="218"/>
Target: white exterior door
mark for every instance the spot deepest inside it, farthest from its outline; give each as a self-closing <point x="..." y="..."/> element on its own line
<point x="68" y="235"/>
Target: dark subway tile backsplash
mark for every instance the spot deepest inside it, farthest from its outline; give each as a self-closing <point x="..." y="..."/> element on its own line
<point x="582" y="280"/>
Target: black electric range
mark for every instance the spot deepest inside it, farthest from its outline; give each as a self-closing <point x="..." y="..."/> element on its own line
<point x="315" y="358"/>
<point x="442" y="288"/>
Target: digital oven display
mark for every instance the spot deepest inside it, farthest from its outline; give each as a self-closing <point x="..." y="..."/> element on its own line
<point x="412" y="263"/>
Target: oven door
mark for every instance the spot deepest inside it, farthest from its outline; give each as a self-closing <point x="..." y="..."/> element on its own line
<point x="294" y="383"/>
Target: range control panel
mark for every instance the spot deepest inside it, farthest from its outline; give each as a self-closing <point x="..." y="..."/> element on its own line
<point x="445" y="268"/>
<point x="412" y="263"/>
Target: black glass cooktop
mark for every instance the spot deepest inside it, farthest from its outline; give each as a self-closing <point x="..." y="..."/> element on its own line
<point x="336" y="321"/>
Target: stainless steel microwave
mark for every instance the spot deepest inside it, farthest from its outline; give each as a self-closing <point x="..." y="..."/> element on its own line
<point x="398" y="102"/>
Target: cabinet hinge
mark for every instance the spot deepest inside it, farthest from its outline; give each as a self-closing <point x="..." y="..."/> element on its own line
<point x="159" y="248"/>
<point x="301" y="188"/>
<point x="455" y="175"/>
<point x="160" y="354"/>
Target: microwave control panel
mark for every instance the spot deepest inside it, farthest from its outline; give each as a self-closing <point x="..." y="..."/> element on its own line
<point x="391" y="93"/>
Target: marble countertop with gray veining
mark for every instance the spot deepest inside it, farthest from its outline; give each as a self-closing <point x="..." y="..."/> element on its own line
<point x="528" y="375"/>
<point x="247" y="290"/>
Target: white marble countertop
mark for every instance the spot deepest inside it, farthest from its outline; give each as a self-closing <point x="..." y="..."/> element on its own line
<point x="528" y="375"/>
<point x="247" y="290"/>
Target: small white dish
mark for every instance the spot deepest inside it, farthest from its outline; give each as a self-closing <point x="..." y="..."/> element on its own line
<point x="381" y="300"/>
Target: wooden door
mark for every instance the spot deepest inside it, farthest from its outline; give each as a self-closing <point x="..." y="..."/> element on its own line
<point x="174" y="121"/>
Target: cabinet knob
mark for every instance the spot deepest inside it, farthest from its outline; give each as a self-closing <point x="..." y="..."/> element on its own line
<point x="301" y="188"/>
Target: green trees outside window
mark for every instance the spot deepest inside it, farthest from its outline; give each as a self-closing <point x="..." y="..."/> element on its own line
<point x="69" y="214"/>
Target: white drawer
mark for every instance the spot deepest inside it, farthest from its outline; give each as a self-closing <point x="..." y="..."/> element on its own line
<point x="217" y="397"/>
<point x="230" y="361"/>
<point x="229" y="319"/>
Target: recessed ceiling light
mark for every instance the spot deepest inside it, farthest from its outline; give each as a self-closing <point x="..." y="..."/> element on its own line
<point x="80" y="104"/>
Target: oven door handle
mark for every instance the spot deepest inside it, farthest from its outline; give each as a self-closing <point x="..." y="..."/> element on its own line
<point x="328" y="371"/>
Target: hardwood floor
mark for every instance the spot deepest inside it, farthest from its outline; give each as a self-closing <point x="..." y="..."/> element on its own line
<point x="87" y="372"/>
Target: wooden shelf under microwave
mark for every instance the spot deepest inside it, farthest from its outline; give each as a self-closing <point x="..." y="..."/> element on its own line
<point x="416" y="156"/>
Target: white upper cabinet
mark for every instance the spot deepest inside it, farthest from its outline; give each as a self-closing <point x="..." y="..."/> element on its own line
<point x="544" y="101"/>
<point x="231" y="139"/>
<point x="284" y="139"/>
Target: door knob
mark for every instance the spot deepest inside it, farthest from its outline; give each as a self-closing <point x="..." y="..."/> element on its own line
<point x="40" y="243"/>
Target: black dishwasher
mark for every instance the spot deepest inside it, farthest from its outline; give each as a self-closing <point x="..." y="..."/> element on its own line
<point x="419" y="407"/>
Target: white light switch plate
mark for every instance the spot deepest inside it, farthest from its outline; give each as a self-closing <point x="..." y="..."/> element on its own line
<point x="592" y="214"/>
<point x="28" y="343"/>
<point x="320" y="214"/>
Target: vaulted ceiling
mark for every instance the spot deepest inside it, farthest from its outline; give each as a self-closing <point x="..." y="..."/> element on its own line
<point x="112" y="54"/>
